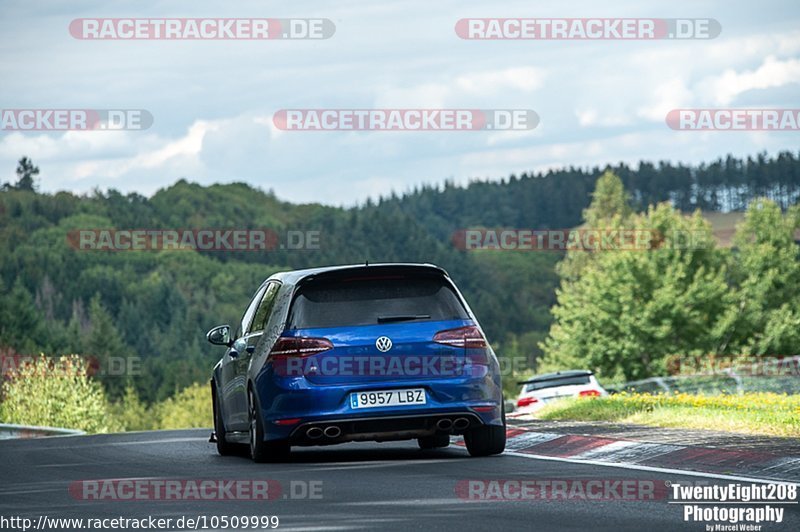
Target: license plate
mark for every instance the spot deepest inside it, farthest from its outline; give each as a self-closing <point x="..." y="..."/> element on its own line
<point x="414" y="396"/>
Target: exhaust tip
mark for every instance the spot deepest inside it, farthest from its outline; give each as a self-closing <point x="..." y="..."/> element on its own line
<point x="461" y="423"/>
<point x="314" y="432"/>
<point x="333" y="431"/>
<point x="444" y="424"/>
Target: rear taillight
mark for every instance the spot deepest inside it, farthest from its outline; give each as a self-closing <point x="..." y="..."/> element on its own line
<point x="462" y="337"/>
<point x="299" y="347"/>
<point x="288" y="421"/>
<point x="526" y="401"/>
<point x="589" y="393"/>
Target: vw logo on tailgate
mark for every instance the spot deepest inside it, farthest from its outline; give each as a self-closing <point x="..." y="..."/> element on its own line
<point x="384" y="343"/>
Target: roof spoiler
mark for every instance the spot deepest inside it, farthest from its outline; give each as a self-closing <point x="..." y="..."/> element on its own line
<point x="375" y="270"/>
<point x="557" y="377"/>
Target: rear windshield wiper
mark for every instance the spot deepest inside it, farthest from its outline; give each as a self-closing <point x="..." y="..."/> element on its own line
<point x="403" y="317"/>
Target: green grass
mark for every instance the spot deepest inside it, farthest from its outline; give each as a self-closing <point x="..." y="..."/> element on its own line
<point x="752" y="413"/>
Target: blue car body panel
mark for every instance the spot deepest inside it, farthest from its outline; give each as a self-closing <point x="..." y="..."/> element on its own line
<point x="312" y="389"/>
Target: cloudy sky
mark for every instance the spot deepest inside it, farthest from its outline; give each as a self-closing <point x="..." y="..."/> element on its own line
<point x="212" y="101"/>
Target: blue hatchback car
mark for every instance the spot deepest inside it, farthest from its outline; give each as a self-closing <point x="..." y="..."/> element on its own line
<point x="375" y="352"/>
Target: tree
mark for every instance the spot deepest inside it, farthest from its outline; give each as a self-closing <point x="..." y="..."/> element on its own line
<point x="132" y="413"/>
<point x="26" y="171"/>
<point x="610" y="202"/>
<point x="21" y="323"/>
<point x="610" y="208"/>
<point x="161" y="303"/>
<point x="104" y="346"/>
<point x="765" y="310"/>
<point x="628" y="312"/>
<point x="190" y="408"/>
<point x="56" y="393"/>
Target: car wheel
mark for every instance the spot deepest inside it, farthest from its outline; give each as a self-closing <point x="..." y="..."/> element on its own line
<point x="224" y="447"/>
<point x="436" y="441"/>
<point x="487" y="439"/>
<point x="260" y="450"/>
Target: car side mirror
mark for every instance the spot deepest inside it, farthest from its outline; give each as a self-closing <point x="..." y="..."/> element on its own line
<point x="239" y="346"/>
<point x="220" y="335"/>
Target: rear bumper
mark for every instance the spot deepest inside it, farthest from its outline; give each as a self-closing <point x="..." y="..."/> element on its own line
<point x="382" y="428"/>
<point x="291" y="406"/>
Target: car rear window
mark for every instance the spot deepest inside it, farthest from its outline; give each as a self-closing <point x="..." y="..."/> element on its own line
<point x="363" y="301"/>
<point x="563" y="381"/>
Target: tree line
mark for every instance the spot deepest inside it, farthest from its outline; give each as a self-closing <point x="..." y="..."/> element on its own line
<point x="156" y="305"/>
<point x="629" y="316"/>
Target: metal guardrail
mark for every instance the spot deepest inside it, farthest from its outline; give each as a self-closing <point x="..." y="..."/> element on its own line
<point x="510" y="405"/>
<point x="9" y="431"/>
<point x="735" y="380"/>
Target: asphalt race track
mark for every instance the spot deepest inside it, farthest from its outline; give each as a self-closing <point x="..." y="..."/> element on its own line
<point x="355" y="486"/>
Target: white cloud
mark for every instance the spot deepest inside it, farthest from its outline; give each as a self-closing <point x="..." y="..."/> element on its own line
<point x="213" y="102"/>
<point x="772" y="73"/>
<point x="591" y="117"/>
<point x="423" y="96"/>
<point x="524" y="79"/>
<point x="672" y="94"/>
<point x="489" y="84"/>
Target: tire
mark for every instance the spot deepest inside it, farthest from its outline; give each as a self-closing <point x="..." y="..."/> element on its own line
<point x="486" y="440"/>
<point x="224" y="447"/>
<point x="436" y="441"/>
<point x="263" y="451"/>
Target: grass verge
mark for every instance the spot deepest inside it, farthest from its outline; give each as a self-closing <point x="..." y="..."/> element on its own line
<point x="753" y="413"/>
